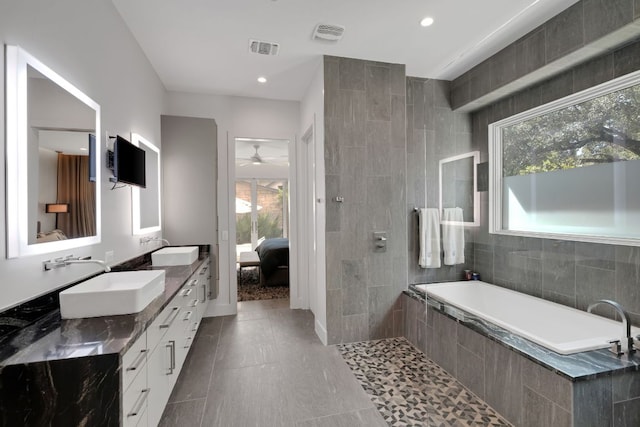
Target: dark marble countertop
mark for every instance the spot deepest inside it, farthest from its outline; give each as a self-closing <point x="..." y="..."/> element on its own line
<point x="575" y="367"/>
<point x="51" y="338"/>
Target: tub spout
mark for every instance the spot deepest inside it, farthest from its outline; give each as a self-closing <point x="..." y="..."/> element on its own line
<point x="626" y="325"/>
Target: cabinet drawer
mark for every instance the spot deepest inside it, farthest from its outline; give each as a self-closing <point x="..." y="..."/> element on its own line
<point x="162" y="323"/>
<point x="144" y="418"/>
<point x="134" y="401"/>
<point x="134" y="361"/>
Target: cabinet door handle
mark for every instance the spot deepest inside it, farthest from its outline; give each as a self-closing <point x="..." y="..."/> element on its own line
<point x="172" y="316"/>
<point x="204" y="270"/>
<point x="195" y="327"/>
<point x="144" y="394"/>
<point x="136" y="363"/>
<point x="186" y="292"/>
<point x="204" y="293"/>
<point x="172" y="356"/>
<point x="188" y="316"/>
<point x="193" y="282"/>
<point x="194" y="302"/>
<point x="187" y="342"/>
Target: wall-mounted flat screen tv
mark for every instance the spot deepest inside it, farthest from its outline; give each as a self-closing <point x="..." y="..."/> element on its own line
<point x="128" y="163"/>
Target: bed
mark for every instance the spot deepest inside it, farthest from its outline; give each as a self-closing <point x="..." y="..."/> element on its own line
<point x="274" y="262"/>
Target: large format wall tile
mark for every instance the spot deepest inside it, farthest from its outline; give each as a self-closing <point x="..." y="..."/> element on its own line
<point x="602" y="17"/>
<point x="585" y="397"/>
<point x="582" y="30"/>
<point x="503" y="388"/>
<point x="530" y="52"/>
<point x="541" y="412"/>
<point x="565" y="32"/>
<point x="365" y="131"/>
<point x="434" y="132"/>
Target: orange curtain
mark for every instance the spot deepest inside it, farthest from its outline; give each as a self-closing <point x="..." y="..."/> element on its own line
<point x="75" y="189"/>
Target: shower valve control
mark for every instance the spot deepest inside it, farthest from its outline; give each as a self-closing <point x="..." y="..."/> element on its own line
<point x="380" y="241"/>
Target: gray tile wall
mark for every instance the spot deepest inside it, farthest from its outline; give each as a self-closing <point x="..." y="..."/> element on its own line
<point x="571" y="273"/>
<point x="575" y="28"/>
<point x="434" y="132"/>
<point x="365" y="162"/>
<point x="524" y="392"/>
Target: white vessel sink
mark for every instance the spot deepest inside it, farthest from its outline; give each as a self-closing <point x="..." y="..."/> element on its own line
<point x="184" y="255"/>
<point x="110" y="294"/>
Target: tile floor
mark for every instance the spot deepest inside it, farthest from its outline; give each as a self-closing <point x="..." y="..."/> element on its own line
<point x="410" y="390"/>
<point x="266" y="367"/>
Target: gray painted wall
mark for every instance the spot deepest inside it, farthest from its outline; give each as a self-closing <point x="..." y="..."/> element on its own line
<point x="80" y="41"/>
<point x="189" y="169"/>
<point x="365" y="162"/>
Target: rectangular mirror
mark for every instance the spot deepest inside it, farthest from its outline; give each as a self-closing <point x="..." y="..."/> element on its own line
<point x="569" y="169"/>
<point x="52" y="128"/>
<point x="459" y="189"/>
<point x="145" y="202"/>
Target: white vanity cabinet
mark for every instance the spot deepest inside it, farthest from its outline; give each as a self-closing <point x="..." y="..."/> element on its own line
<point x="163" y="336"/>
<point x="135" y="390"/>
<point x="169" y="339"/>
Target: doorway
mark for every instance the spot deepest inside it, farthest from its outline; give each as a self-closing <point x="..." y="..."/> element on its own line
<point x="262" y="215"/>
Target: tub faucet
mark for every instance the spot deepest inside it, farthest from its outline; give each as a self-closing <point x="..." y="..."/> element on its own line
<point x="626" y="326"/>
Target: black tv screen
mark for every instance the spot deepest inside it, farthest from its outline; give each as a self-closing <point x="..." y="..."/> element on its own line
<point x="128" y="163"/>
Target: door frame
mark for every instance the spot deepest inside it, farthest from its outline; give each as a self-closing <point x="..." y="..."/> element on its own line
<point x="298" y="295"/>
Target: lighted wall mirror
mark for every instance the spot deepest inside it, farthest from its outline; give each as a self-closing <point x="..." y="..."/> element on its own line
<point x="145" y="202"/>
<point x="53" y="153"/>
<point x="459" y="202"/>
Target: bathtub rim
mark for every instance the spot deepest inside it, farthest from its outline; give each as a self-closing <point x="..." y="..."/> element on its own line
<point x="575" y="367"/>
<point x="542" y="341"/>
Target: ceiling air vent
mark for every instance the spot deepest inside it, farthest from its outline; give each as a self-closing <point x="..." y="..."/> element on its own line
<point x="329" y="32"/>
<point x="263" y="48"/>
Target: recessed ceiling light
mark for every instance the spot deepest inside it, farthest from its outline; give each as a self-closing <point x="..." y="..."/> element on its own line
<point x="426" y="21"/>
<point x="262" y="79"/>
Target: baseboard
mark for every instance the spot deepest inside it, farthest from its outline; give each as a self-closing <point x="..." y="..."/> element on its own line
<point x="215" y="310"/>
<point x="321" y="332"/>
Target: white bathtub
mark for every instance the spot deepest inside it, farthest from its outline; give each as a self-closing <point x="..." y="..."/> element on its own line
<point x="557" y="327"/>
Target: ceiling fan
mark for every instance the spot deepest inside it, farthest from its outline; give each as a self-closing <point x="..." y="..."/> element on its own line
<point x="257" y="159"/>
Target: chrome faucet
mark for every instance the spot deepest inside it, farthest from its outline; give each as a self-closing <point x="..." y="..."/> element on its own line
<point x="70" y="259"/>
<point x="144" y="240"/>
<point x="89" y="261"/>
<point x="626" y="326"/>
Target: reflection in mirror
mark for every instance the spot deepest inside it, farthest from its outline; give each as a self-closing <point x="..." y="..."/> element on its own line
<point x="63" y="178"/>
<point x="52" y="135"/>
<point x="145" y="202"/>
<point x="459" y="189"/>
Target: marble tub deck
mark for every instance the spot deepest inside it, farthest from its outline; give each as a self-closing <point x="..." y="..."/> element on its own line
<point x="574" y="367"/>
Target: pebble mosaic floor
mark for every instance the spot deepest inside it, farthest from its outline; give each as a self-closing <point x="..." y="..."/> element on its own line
<point x="410" y="390"/>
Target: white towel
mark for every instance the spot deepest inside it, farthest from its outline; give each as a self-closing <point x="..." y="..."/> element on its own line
<point x="429" y="223"/>
<point x="453" y="236"/>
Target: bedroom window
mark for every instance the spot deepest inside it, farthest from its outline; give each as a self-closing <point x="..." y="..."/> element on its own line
<point x="261" y="211"/>
<point x="570" y="169"/>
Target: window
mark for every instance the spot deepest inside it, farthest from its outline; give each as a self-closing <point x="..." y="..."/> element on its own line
<point x="570" y="169"/>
